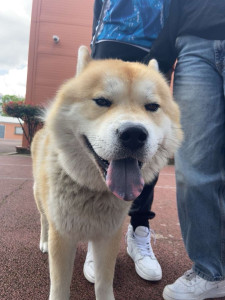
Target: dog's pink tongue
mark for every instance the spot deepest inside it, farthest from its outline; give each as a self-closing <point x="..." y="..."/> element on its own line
<point x="124" y="179"/>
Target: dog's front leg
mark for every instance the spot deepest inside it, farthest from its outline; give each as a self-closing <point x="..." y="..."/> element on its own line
<point x="61" y="259"/>
<point x="105" y="253"/>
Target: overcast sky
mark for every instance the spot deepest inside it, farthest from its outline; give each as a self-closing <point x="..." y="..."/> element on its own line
<point x="15" y="18"/>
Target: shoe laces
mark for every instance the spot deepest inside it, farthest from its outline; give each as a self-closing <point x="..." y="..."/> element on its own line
<point x="190" y="275"/>
<point x="144" y="244"/>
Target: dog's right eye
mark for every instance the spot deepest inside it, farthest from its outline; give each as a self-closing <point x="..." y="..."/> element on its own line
<point x="103" y="102"/>
<point x="152" y="107"/>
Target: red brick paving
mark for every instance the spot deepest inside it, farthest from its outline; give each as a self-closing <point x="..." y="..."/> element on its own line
<point x="24" y="269"/>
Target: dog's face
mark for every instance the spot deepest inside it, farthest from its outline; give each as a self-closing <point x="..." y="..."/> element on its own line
<point x="116" y="120"/>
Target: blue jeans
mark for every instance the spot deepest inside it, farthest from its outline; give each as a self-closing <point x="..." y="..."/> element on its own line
<point x="199" y="89"/>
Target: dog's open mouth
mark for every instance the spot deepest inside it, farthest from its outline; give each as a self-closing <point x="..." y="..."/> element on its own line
<point x="123" y="176"/>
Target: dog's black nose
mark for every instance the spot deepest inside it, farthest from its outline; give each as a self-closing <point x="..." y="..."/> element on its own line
<point x="132" y="136"/>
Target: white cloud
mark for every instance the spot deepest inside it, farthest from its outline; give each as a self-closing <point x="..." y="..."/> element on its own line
<point x="14" y="82"/>
<point x="14" y="34"/>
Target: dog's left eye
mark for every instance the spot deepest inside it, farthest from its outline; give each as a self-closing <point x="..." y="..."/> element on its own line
<point x="103" y="102"/>
<point x="152" y="106"/>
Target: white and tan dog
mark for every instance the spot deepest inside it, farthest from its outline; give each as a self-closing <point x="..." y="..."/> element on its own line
<point x="110" y="130"/>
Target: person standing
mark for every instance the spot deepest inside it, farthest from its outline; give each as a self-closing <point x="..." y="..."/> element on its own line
<point x="195" y="36"/>
<point x="124" y="29"/>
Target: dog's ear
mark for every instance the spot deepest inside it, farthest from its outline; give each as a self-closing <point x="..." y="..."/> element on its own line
<point x="153" y="64"/>
<point x="83" y="59"/>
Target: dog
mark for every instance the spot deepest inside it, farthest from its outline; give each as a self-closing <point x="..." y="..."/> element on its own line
<point x="109" y="131"/>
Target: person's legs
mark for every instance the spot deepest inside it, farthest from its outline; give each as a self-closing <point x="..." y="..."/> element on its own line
<point x="139" y="236"/>
<point x="200" y="168"/>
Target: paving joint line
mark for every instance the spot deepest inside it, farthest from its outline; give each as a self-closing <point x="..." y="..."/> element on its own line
<point x="4" y="199"/>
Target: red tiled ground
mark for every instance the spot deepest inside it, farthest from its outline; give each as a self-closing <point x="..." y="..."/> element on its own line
<point x="24" y="269"/>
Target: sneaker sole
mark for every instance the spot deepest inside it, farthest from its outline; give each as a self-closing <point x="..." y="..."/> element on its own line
<point x="143" y="275"/>
<point x="208" y="295"/>
<point x="88" y="277"/>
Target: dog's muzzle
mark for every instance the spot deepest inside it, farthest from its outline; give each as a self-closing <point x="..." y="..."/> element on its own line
<point x="123" y="176"/>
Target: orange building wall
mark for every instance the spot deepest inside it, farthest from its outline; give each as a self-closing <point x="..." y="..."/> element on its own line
<point x="10" y="131"/>
<point x="50" y="64"/>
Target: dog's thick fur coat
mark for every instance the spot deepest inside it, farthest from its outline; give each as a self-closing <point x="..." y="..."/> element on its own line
<point x="114" y="117"/>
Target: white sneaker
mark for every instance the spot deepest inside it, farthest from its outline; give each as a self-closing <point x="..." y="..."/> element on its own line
<point x="88" y="268"/>
<point x="192" y="287"/>
<point x="140" y="250"/>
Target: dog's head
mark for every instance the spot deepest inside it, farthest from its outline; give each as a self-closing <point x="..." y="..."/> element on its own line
<point x="115" y="124"/>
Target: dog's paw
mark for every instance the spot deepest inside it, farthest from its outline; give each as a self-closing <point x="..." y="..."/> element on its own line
<point x="44" y="247"/>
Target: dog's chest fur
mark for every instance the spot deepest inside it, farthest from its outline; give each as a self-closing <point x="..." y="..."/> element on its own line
<point x="74" y="208"/>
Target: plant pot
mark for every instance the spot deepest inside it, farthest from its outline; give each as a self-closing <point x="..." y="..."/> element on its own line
<point x="22" y="150"/>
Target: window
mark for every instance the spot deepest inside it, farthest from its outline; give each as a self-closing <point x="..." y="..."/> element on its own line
<point x="18" y="130"/>
<point x="2" y="131"/>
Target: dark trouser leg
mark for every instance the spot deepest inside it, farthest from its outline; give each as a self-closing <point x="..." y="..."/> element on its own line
<point x="140" y="211"/>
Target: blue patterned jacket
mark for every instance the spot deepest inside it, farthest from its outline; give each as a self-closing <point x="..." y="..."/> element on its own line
<point x="135" y="22"/>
